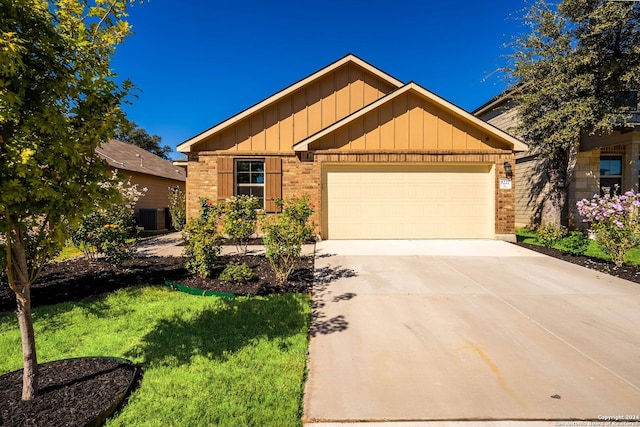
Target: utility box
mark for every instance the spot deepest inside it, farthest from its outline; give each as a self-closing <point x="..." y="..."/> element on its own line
<point x="152" y="219"/>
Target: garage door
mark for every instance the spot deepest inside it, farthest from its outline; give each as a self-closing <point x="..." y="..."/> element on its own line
<point x="408" y="201"/>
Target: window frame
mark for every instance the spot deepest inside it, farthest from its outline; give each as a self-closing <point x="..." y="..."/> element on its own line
<point x="617" y="177"/>
<point x="237" y="185"/>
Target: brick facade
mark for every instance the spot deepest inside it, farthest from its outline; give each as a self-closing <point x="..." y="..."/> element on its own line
<point x="304" y="177"/>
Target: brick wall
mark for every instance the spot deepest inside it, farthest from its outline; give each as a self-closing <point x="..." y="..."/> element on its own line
<point x="305" y="177"/>
<point x="201" y="182"/>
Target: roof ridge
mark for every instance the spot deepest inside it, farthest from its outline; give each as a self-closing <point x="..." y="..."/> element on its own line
<point x="185" y="147"/>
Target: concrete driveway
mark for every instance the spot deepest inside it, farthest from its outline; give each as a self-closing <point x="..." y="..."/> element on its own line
<point x="468" y="330"/>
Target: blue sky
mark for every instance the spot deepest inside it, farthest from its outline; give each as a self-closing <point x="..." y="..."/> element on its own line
<point x="198" y="62"/>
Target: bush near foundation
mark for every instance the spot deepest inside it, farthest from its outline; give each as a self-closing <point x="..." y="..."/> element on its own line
<point x="613" y="218"/>
<point x="284" y="235"/>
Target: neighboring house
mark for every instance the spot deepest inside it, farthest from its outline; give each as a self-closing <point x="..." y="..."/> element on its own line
<point x="147" y="170"/>
<point x="379" y="159"/>
<point x="602" y="161"/>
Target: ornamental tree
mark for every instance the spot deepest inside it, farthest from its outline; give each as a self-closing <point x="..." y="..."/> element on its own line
<point x="571" y="69"/>
<point x="59" y="100"/>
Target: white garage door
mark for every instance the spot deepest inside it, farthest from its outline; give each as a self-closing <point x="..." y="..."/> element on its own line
<point x="408" y="201"/>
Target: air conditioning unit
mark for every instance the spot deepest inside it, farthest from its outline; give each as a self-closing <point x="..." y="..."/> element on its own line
<point x="152" y="219"/>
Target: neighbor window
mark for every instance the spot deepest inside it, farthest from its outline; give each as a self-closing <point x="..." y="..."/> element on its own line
<point x="610" y="172"/>
<point x="250" y="178"/>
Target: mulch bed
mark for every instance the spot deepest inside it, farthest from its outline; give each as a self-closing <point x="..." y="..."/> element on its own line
<point x="80" y="279"/>
<point x="625" y="272"/>
<point x="73" y="392"/>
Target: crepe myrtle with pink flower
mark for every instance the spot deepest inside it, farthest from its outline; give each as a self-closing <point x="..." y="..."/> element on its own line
<point x="613" y="219"/>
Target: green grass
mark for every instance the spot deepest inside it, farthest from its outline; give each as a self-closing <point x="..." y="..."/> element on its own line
<point x="206" y="361"/>
<point x="69" y="251"/>
<point x="595" y="250"/>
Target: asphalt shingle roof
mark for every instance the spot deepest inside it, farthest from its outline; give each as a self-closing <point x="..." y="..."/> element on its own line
<point x="123" y="156"/>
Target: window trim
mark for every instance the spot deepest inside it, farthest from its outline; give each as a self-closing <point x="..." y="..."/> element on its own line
<point x="263" y="184"/>
<point x="618" y="177"/>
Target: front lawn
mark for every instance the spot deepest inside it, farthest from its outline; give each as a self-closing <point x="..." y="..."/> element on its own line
<point x="206" y="360"/>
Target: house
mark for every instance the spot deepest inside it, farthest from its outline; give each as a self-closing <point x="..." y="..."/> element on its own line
<point x="602" y="161"/>
<point x="146" y="170"/>
<point x="379" y="158"/>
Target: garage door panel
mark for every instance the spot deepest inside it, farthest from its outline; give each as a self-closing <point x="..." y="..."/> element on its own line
<point x="387" y="202"/>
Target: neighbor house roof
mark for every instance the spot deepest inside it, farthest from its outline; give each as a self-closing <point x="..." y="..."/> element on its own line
<point x="123" y="156"/>
<point x="515" y="143"/>
<point x="185" y="147"/>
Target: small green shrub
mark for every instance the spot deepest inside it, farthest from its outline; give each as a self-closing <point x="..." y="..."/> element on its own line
<point x="576" y="243"/>
<point x="202" y="241"/>
<point x="236" y="273"/>
<point x="284" y="235"/>
<point x="177" y="208"/>
<point x="110" y="230"/>
<point x="240" y="219"/>
<point x="549" y="233"/>
<point x="209" y="208"/>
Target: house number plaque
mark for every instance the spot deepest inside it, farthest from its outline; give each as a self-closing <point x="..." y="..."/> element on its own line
<point x="505" y="184"/>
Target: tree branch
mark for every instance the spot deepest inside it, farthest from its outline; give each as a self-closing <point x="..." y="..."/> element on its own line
<point x="111" y="6"/>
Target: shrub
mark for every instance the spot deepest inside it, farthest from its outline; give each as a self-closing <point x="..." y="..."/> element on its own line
<point x="209" y="208"/>
<point x="549" y="233"/>
<point x="202" y="241"/>
<point x="614" y="221"/>
<point x="284" y="235"/>
<point x="576" y="243"/>
<point x="177" y="208"/>
<point x="240" y="220"/>
<point x="111" y="230"/>
<point x="236" y="273"/>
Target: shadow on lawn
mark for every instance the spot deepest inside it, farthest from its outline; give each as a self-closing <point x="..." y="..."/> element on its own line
<point x="218" y="333"/>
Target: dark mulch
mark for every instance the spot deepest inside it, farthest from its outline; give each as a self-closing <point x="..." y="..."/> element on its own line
<point x="73" y="392"/>
<point x="80" y="280"/>
<point x="625" y="272"/>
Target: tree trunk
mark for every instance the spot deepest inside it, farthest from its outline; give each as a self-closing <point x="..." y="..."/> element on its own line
<point x="559" y="174"/>
<point x="29" y="357"/>
<point x="554" y="204"/>
<point x="20" y="281"/>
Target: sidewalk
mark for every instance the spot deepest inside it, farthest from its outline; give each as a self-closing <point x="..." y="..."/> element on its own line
<point x="172" y="244"/>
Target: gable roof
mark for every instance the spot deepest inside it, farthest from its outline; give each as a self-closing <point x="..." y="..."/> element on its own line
<point x="129" y="157"/>
<point x="499" y="99"/>
<point x="185" y="147"/>
<point x="515" y="143"/>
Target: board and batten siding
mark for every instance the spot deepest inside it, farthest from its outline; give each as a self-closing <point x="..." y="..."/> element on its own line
<point x="276" y="128"/>
<point x="407" y="123"/>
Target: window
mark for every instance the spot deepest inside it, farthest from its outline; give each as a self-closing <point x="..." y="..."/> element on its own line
<point x="249" y="178"/>
<point x="610" y="172"/>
